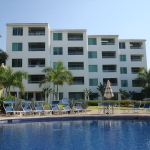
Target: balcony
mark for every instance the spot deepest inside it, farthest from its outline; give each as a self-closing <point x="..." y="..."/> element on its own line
<point x="36" y="46"/>
<point x="137" y="58"/>
<point x="78" y="81"/>
<point x="136" y="45"/>
<point x="75" y="65"/>
<point x="36" y="31"/>
<point x="135" y="70"/>
<point x="35" y="78"/>
<point x="75" y="50"/>
<point x="109" y="68"/>
<point x="136" y="83"/>
<point x="75" y="36"/>
<point x="40" y="62"/>
<point x="108" y="54"/>
<point x="107" y="41"/>
<point x="113" y="81"/>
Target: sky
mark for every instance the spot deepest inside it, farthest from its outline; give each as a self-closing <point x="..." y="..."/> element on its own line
<point x="130" y="19"/>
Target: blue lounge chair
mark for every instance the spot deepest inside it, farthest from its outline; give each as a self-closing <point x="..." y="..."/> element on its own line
<point x="78" y="108"/>
<point x="55" y="107"/>
<point x="8" y="106"/>
<point x="146" y="107"/>
<point x="66" y="106"/>
<point x="39" y="108"/>
<point x="26" y="107"/>
<point x="135" y="107"/>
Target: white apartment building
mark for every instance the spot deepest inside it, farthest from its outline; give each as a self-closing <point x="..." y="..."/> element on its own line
<point x="93" y="59"/>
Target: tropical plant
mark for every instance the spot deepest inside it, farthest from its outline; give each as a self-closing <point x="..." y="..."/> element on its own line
<point x="102" y="88"/>
<point x="144" y="78"/>
<point x="9" y="78"/>
<point x="125" y="95"/>
<point x="3" y="57"/>
<point x="47" y="91"/>
<point x="87" y="93"/>
<point x="58" y="76"/>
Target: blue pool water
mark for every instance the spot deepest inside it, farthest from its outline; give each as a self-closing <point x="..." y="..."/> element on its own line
<point x="76" y="135"/>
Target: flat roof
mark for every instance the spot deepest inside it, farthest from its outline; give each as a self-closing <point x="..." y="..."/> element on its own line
<point x="30" y="24"/>
<point x="132" y="40"/>
<point x="56" y="30"/>
<point x="103" y="35"/>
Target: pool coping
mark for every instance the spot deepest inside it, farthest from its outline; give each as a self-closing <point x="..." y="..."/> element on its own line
<point x="69" y="117"/>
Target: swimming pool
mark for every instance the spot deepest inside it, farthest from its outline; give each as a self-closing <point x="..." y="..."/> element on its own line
<point x="76" y="135"/>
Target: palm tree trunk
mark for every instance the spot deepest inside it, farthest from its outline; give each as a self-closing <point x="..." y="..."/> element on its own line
<point x="57" y="93"/>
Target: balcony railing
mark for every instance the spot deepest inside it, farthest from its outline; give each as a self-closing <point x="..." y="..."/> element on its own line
<point x="75" y="39"/>
<point x="134" y="72"/>
<point x="108" y="56"/>
<point x="36" y="65"/>
<point x="77" y="83"/>
<point x="76" y="68"/>
<point x="137" y="60"/>
<point x="132" y="47"/>
<point x="36" y="49"/>
<point x="32" y="34"/>
<point x="108" y="43"/>
<point x="109" y="70"/>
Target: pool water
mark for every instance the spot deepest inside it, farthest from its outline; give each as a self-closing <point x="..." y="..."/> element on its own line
<point x="76" y="135"/>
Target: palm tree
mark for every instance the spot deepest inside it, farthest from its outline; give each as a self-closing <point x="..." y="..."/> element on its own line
<point x="87" y="93"/>
<point x="8" y="78"/>
<point x="102" y="88"/>
<point x="47" y="91"/>
<point x="58" y="76"/>
<point x="3" y="57"/>
<point x="144" y="77"/>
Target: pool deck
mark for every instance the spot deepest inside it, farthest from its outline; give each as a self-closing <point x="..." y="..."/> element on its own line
<point x="93" y="113"/>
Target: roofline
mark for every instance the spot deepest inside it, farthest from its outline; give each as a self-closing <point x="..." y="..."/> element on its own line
<point x="132" y="40"/>
<point x="27" y="24"/>
<point x="56" y="30"/>
<point x="103" y="35"/>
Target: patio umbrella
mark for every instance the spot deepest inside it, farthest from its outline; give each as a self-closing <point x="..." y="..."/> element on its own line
<point x="108" y="91"/>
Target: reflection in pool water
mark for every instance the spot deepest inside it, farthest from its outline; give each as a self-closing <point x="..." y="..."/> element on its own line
<point x="76" y="135"/>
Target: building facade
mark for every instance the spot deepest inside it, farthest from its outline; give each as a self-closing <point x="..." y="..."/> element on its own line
<point x="93" y="59"/>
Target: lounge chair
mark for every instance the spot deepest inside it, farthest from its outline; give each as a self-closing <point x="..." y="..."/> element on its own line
<point x="26" y="107"/>
<point x="66" y="106"/>
<point x="135" y="107"/>
<point x="39" y="108"/>
<point x="146" y="107"/>
<point x="78" y="108"/>
<point x="55" y="107"/>
<point x="8" y="106"/>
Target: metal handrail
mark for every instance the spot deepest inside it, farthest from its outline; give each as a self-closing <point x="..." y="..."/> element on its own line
<point x="36" y="49"/>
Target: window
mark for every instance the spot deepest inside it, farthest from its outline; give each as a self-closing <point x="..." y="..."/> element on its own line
<point x="61" y="96"/>
<point x="54" y="65"/>
<point x="124" y="83"/>
<point x="92" y="41"/>
<point x="57" y="36"/>
<point x="105" y="41"/>
<point x="75" y="65"/>
<point x="16" y="46"/>
<point x="108" y="54"/>
<point x="35" y="78"/>
<point x="57" y="50"/>
<point x="136" y="83"/>
<point x="122" y="57"/>
<point x="93" y="82"/>
<point x="17" y="31"/>
<point x="78" y="81"/>
<point x="39" y="96"/>
<point x="92" y="68"/>
<point x="75" y="50"/>
<point x="122" y="45"/>
<point x="92" y="54"/>
<point x="76" y="95"/>
<point x="109" y="68"/>
<point x="123" y="70"/>
<point x="16" y="62"/>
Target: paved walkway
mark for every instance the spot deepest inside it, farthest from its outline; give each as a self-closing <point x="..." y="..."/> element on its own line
<point x="93" y="112"/>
